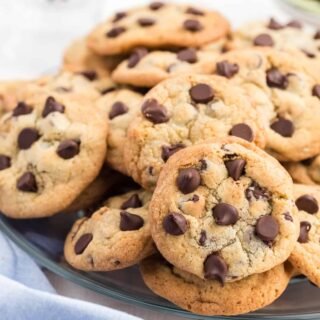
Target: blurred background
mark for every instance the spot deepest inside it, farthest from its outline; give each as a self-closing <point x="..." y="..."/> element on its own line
<point x="34" y="33"/>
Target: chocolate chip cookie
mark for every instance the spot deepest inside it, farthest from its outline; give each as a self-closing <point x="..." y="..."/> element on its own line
<point x="306" y="254"/>
<point x="157" y="25"/>
<point x="208" y="297"/>
<point x="52" y="146"/>
<point x="292" y="87"/>
<point x="122" y="106"/>
<point x="278" y="35"/>
<point x="115" y="237"/>
<point x="182" y="111"/>
<point x="223" y="211"/>
<point x="147" y="69"/>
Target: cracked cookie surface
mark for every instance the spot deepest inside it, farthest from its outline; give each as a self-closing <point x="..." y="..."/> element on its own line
<point x="223" y="211"/>
<point x="121" y="105"/>
<point x="292" y="87"/>
<point x="208" y="297"/>
<point x="306" y="253"/>
<point x="114" y="237"/>
<point x="52" y="146"/>
<point x="155" y="27"/>
<point x="182" y="111"/>
<point x="147" y="69"/>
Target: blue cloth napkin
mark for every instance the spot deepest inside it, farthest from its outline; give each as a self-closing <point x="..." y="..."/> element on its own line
<point x="25" y="292"/>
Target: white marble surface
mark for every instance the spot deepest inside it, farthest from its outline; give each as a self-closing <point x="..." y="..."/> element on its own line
<point x="33" y="35"/>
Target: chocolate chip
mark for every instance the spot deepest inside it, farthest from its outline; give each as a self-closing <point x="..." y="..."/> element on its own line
<point x="119" y="16"/>
<point x="188" y="55"/>
<point x="82" y="243"/>
<point x="225" y="215"/>
<point x="308" y="53"/>
<point x="263" y="40"/>
<point x="156" y="5"/>
<point x="89" y="74"/>
<point x="5" y="162"/>
<point x="307" y="203"/>
<point x="201" y="93"/>
<point x="284" y="127"/>
<point x="317" y="35"/>
<point x="192" y="25"/>
<point x="27" y="137"/>
<point x="227" y="69"/>
<point x="136" y="56"/>
<point x="188" y="180"/>
<point x="294" y="24"/>
<point x="51" y="105"/>
<point x="275" y="25"/>
<point x="316" y="91"/>
<point x="242" y="130"/>
<point x="215" y="268"/>
<point x="308" y="162"/>
<point x="27" y="183"/>
<point x="305" y="227"/>
<point x="257" y="192"/>
<point x="203" y="238"/>
<point x="115" y="32"/>
<point x="203" y="164"/>
<point x="267" y="228"/>
<point x="195" y="198"/>
<point x="235" y="168"/>
<point x="168" y="151"/>
<point x="67" y="149"/>
<point x="175" y="224"/>
<point x="108" y="90"/>
<point x="194" y="11"/>
<point x="288" y="216"/>
<point x="133" y="202"/>
<point x="275" y="79"/>
<point x="117" y="109"/>
<point x="146" y="22"/>
<point x="21" y="109"/>
<point x="154" y="112"/>
<point x="130" y="221"/>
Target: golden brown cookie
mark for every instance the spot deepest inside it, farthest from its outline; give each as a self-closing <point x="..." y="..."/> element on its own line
<point x="155" y="26"/>
<point x="208" y="297"/>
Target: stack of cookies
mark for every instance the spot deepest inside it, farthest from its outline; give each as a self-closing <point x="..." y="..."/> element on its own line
<point x="200" y="117"/>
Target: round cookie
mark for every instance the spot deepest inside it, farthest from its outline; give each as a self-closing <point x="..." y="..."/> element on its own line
<point x="306" y="254"/>
<point x="306" y="171"/>
<point x="223" y="211"/>
<point x="122" y="106"/>
<point x="157" y="25"/>
<point x="278" y="35"/>
<point x="147" y="69"/>
<point x="52" y="146"/>
<point x="115" y="237"/>
<point x="207" y="297"/>
<point x="182" y="111"/>
<point x="290" y="84"/>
